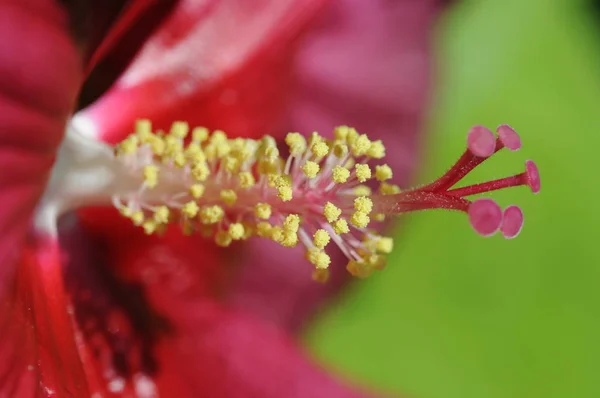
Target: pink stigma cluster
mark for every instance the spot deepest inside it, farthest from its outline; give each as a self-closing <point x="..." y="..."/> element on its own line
<point x="485" y="215"/>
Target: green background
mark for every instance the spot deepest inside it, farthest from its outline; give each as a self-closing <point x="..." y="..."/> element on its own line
<point x="458" y="316"/>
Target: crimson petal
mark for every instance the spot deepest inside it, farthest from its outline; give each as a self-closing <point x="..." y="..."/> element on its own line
<point x="241" y="358"/>
<point x="40" y="72"/>
<point x="39" y="355"/>
<point x="214" y="63"/>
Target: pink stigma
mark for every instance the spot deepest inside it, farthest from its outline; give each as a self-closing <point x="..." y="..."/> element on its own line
<point x="485" y="215"/>
<point x="512" y="222"/>
<point x="509" y="137"/>
<point x="481" y="141"/>
<point x="533" y="176"/>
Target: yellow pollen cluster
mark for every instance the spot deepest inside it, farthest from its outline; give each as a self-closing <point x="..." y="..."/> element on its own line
<point x="363" y="172"/>
<point x="311" y="169"/>
<point x="383" y="172"/>
<point x="234" y="188"/>
<point x="340" y="174"/>
<point x="331" y="212"/>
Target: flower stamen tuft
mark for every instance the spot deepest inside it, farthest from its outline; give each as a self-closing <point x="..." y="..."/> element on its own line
<point x="235" y="188"/>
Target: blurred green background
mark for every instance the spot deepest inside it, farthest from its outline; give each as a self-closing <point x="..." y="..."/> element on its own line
<point x="459" y="316"/>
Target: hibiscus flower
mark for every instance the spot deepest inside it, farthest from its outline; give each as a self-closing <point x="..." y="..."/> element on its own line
<point x="97" y="301"/>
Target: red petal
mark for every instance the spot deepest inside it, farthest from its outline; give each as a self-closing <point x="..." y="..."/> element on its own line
<point x="211" y="63"/>
<point x="38" y="85"/>
<point x="192" y="259"/>
<point x="38" y="353"/>
<point x="133" y="14"/>
<point x="222" y="353"/>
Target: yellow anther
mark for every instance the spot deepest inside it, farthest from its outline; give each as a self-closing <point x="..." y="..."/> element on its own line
<point x="363" y="172"/>
<point x="331" y="212"/>
<point x="284" y="188"/>
<point x="236" y="231"/>
<point x="320" y="149"/>
<point x="192" y="150"/>
<point x="314" y="139"/>
<point x="150" y="175"/>
<point x="172" y="145"/>
<point x="228" y="196"/>
<point x="210" y="151"/>
<point x="231" y="164"/>
<point x="360" y="269"/>
<point x="320" y="275"/>
<point x="179" y="159"/>
<point x="199" y="134"/>
<point x="237" y="144"/>
<point x="284" y="193"/>
<point x="384" y="245"/>
<point x="157" y="144"/>
<point x="311" y="169"/>
<point x="362" y="190"/>
<point x="263" y="229"/>
<point x="218" y="136"/>
<point x="363" y="204"/>
<point x="197" y="190"/>
<point x="196" y="158"/>
<point x="222" y="238"/>
<point x="276" y="233"/>
<point x="383" y="172"/>
<point x="125" y="211"/>
<point x="190" y="209"/>
<point x="149" y="227"/>
<point x="341" y="227"/>
<point x="318" y="258"/>
<point x="341" y="132"/>
<point x="388" y="189"/>
<point x="352" y="136"/>
<point x="143" y="127"/>
<point x="128" y="146"/>
<point x="360" y="219"/>
<point x="340" y="150"/>
<point x="200" y="172"/>
<point x="180" y="129"/>
<point x="291" y="223"/>
<point x="262" y="211"/>
<point x="246" y="179"/>
<point x="361" y="145"/>
<point x="211" y="214"/>
<point x="266" y="144"/>
<point x="340" y="174"/>
<point x="288" y="238"/>
<point x="249" y="150"/>
<point x="161" y="215"/>
<point x="223" y="149"/>
<point x="296" y="142"/>
<point x="273" y="180"/>
<point x="271" y="153"/>
<point x="137" y="217"/>
<point x="267" y="167"/>
<point x="321" y="238"/>
<point x="376" y="150"/>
